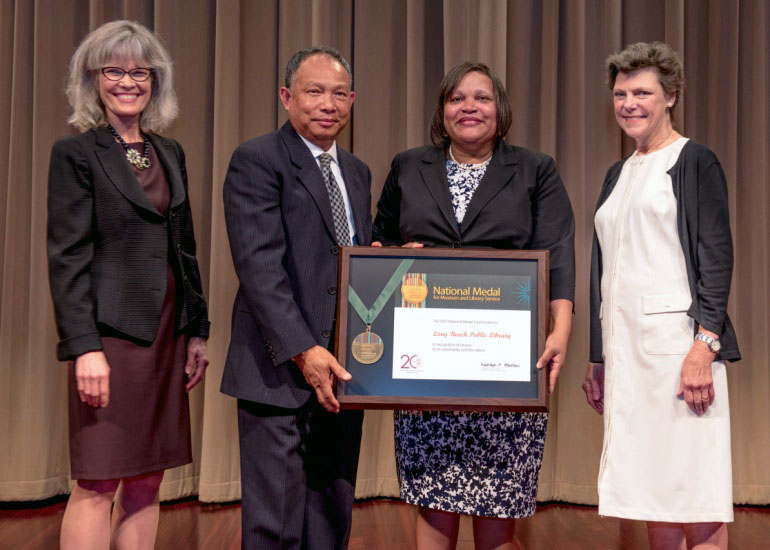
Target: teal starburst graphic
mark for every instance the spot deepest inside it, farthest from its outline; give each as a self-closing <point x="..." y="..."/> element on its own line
<point x="521" y="292"/>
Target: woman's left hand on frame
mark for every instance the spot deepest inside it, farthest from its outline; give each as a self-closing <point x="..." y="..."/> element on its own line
<point x="556" y="343"/>
<point x="197" y="361"/>
<point x="556" y="353"/>
<point x="696" y="383"/>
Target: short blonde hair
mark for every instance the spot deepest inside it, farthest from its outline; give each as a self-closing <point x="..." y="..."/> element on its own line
<point x="116" y="40"/>
<point x="650" y="55"/>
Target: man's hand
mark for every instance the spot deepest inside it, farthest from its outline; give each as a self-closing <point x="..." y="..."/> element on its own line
<point x="317" y="366"/>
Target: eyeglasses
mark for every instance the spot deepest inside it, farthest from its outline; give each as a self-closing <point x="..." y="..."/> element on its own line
<point x="140" y="74"/>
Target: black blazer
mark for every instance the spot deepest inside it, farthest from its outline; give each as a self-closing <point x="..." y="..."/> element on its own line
<point x="281" y="230"/>
<point x="703" y="224"/>
<point x="108" y="246"/>
<point x="521" y="203"/>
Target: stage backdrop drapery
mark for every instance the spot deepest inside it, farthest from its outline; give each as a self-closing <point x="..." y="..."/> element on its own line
<point x="229" y="57"/>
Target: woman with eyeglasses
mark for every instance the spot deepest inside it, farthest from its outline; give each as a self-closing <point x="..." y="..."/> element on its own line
<point x="125" y="284"/>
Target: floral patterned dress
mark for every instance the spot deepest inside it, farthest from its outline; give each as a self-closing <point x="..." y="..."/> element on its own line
<point x="483" y="464"/>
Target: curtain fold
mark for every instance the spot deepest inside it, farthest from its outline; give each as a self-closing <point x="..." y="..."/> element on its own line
<point x="229" y="59"/>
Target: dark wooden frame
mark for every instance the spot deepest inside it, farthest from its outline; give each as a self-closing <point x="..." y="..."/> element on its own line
<point x="433" y="402"/>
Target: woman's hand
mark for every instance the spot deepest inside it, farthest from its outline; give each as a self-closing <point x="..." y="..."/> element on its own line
<point x="593" y="385"/>
<point x="696" y="383"/>
<point x="197" y="361"/>
<point x="92" y="373"/>
<point x="555" y="352"/>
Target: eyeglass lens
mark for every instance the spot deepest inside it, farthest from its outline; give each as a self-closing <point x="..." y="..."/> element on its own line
<point x="116" y="73"/>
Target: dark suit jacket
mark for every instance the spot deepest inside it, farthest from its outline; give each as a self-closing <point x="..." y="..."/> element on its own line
<point x="281" y="231"/>
<point x="520" y="203"/>
<point x="108" y="246"/>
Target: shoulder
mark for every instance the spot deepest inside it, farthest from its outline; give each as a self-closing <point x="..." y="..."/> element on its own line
<point x="697" y="153"/>
<point x="265" y="145"/>
<point x="614" y="171"/>
<point x="522" y="155"/>
<point x="346" y="156"/>
<point x="77" y="142"/>
<point x="416" y="157"/>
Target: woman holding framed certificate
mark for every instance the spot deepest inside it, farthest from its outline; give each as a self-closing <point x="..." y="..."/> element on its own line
<point x="471" y="189"/>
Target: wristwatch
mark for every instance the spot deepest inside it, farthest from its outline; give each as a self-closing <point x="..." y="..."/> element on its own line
<point x="712" y="343"/>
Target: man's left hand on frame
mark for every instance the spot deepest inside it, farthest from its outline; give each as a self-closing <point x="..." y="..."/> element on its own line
<point x="696" y="383"/>
<point x="197" y="361"/>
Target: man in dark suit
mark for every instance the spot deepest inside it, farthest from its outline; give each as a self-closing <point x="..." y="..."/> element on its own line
<point x="291" y="199"/>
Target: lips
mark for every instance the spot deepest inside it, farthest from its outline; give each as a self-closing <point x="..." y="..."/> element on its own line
<point x="469" y="121"/>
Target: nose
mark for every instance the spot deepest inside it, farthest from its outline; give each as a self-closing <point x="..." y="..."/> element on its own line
<point x="469" y="105"/>
<point x="629" y="102"/>
<point x="327" y="102"/>
<point x="126" y="81"/>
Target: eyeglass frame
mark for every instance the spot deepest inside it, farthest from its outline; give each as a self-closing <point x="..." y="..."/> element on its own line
<point x="150" y="74"/>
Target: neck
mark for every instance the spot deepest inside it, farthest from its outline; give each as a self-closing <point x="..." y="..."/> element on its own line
<point x="127" y="127"/>
<point x="665" y="136"/>
<point x="471" y="153"/>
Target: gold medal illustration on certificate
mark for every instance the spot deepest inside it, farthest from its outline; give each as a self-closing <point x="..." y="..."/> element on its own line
<point x="414" y="290"/>
<point x="368" y="347"/>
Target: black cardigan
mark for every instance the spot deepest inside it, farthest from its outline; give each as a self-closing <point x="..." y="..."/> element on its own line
<point x="108" y="246"/>
<point x="703" y="225"/>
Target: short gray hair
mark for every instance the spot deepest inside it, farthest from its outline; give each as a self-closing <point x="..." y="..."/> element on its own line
<point x="128" y="40"/>
<point x="297" y="59"/>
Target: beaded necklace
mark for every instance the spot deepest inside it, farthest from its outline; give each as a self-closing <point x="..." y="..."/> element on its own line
<point x="133" y="156"/>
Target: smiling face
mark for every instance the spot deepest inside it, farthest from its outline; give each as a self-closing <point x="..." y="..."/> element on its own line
<point x="641" y="106"/>
<point x="319" y="100"/>
<point x="470" y="113"/>
<point x="124" y="100"/>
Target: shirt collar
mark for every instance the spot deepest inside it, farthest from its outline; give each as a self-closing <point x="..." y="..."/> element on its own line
<point x="315" y="150"/>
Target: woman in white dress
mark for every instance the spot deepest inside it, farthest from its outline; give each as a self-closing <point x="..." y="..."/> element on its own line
<point x="660" y="278"/>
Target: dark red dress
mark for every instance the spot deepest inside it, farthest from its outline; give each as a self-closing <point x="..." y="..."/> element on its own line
<point x="146" y="426"/>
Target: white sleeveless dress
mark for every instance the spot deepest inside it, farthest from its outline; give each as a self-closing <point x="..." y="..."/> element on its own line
<point x="660" y="461"/>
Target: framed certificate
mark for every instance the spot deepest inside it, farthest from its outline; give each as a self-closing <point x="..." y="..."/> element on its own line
<point x="442" y="329"/>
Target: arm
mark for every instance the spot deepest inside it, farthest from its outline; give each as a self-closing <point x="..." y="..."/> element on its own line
<point x="555" y="353"/>
<point x="252" y="202"/>
<point x="554" y="230"/>
<point x="714" y="248"/>
<point x="714" y="273"/>
<point x="70" y="252"/>
<point x="200" y="328"/>
<point x="386" y="224"/>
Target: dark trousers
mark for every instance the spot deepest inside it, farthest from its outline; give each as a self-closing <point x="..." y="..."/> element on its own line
<point x="298" y="475"/>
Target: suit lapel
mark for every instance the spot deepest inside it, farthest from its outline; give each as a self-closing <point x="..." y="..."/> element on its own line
<point x="433" y="172"/>
<point x="113" y="161"/>
<point x="501" y="170"/>
<point x="309" y="175"/>
<point x="167" y="156"/>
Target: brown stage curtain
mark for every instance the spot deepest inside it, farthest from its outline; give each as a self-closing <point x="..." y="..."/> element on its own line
<point x="229" y="58"/>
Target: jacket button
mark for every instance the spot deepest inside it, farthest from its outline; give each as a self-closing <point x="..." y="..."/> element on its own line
<point x="456" y="244"/>
<point x="332" y="290"/>
<point x="325" y="333"/>
<point x="334" y="249"/>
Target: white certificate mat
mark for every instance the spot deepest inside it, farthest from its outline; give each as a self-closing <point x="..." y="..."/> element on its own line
<point x="461" y="344"/>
